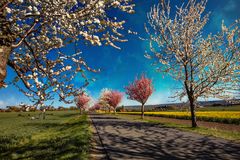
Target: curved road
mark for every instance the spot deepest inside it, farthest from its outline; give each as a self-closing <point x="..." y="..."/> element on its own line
<point x="124" y="139"/>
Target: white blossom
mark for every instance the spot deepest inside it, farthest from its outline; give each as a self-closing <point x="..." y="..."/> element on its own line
<point x="68" y="67"/>
<point x="8" y="10"/>
<point x="41" y="28"/>
<point x="206" y="66"/>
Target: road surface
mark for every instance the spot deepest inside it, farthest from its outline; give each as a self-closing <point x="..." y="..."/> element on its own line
<point x="125" y="140"/>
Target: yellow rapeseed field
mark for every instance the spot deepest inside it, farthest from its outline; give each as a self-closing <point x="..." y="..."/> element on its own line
<point x="214" y="116"/>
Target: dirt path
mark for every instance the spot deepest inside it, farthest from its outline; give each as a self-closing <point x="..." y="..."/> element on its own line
<point x="124" y="139"/>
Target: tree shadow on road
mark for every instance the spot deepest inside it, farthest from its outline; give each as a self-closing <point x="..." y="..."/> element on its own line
<point x="139" y="140"/>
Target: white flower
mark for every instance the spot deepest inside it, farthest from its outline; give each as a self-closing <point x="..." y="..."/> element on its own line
<point x="30" y="8"/>
<point x="35" y="9"/>
<point x="20" y="1"/>
<point x="54" y="28"/>
<point x="116" y="3"/>
<point x="8" y="10"/>
<point x="74" y="2"/>
<point x="62" y="57"/>
<point x="35" y="2"/>
<point x="59" y="41"/>
<point x="96" y="21"/>
<point x="30" y="76"/>
<point x="57" y="73"/>
<point x="101" y="3"/>
<point x="68" y="67"/>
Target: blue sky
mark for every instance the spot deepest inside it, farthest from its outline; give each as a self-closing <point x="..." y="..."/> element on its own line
<point x="120" y="67"/>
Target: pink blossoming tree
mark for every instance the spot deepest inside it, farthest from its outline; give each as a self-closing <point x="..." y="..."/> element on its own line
<point x="82" y="101"/>
<point x="112" y="98"/>
<point x="95" y="107"/>
<point x="140" y="90"/>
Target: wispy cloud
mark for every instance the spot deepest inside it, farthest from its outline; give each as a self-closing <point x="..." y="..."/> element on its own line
<point x="9" y="102"/>
<point x="155" y="98"/>
<point x="128" y="102"/>
<point x="2" y="104"/>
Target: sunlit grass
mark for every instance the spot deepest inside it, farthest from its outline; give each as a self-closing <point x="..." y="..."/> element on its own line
<point x="62" y="135"/>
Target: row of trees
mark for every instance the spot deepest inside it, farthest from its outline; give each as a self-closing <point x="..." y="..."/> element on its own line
<point x="34" y="33"/>
<point x="140" y="90"/>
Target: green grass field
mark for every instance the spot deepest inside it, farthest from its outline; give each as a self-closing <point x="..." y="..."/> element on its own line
<point x="62" y="135"/>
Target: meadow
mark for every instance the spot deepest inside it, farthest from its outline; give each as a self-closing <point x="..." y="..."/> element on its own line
<point x="62" y="135"/>
<point x="229" y="115"/>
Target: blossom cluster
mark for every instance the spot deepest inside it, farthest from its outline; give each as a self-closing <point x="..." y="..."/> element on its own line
<point x="36" y="33"/>
<point x="206" y="66"/>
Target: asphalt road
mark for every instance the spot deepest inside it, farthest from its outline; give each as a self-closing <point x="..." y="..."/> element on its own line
<point x="124" y="139"/>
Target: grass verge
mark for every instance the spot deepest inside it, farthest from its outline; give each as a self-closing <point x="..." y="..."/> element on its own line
<point x="62" y="135"/>
<point x="229" y="135"/>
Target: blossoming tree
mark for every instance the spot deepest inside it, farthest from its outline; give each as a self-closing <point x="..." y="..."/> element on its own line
<point x="34" y="33"/>
<point x="140" y="90"/>
<point x="102" y="102"/>
<point x="95" y="107"/>
<point x="82" y="101"/>
<point x="112" y="98"/>
<point x="207" y="66"/>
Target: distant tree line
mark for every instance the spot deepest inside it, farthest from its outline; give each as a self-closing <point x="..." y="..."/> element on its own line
<point x="33" y="109"/>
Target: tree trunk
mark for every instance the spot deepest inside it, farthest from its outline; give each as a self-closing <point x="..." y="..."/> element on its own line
<point x="142" y="110"/>
<point x="4" y="55"/>
<point x="193" y="114"/>
<point x="114" y="110"/>
<point x="80" y="111"/>
<point x="43" y="114"/>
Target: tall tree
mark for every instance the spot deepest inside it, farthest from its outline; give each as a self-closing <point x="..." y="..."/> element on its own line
<point x="82" y="101"/>
<point x="140" y="90"/>
<point x="207" y="66"/>
<point x="112" y="98"/>
<point x="33" y="34"/>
